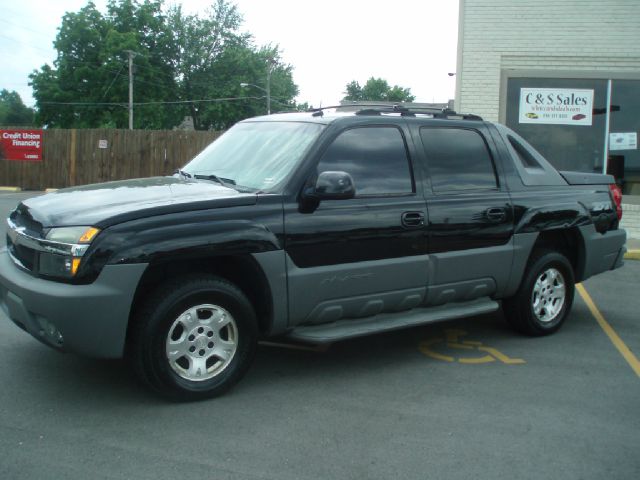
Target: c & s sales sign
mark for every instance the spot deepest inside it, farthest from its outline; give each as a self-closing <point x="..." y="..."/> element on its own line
<point x="25" y="145"/>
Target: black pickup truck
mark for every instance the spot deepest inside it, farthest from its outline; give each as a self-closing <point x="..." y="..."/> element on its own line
<point x="315" y="227"/>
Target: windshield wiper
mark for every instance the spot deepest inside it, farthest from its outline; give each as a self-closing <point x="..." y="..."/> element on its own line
<point x="182" y="173"/>
<point x="222" y="181"/>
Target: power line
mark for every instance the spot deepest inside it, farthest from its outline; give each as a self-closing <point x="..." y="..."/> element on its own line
<point x="228" y="99"/>
<point x="87" y="104"/>
<point x="79" y="63"/>
<point x="169" y="76"/>
<point x="105" y="67"/>
<point x="174" y="102"/>
<point x="112" y="81"/>
<point x="22" y="27"/>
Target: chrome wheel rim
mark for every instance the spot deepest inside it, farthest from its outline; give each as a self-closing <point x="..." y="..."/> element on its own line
<point x="548" y="295"/>
<point x="201" y="342"/>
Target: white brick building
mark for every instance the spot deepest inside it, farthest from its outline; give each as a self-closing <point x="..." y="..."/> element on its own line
<point x="509" y="47"/>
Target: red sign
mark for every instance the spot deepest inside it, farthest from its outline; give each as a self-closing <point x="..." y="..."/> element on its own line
<point x="23" y="145"/>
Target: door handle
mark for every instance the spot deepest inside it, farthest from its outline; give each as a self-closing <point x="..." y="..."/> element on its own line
<point x="496" y="214"/>
<point x="412" y="219"/>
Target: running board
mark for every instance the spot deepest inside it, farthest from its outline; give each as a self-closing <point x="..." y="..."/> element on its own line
<point x="350" y="328"/>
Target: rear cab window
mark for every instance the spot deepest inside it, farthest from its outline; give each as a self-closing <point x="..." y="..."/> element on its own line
<point x="458" y="160"/>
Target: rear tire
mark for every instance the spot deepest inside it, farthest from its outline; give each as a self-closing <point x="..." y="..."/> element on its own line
<point x="544" y="299"/>
<point x="193" y="338"/>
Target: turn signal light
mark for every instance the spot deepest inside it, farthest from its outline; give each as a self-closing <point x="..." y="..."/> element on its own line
<point x="75" y="264"/>
<point x="87" y="236"/>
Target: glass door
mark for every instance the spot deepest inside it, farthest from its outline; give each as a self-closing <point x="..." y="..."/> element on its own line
<point x="624" y="129"/>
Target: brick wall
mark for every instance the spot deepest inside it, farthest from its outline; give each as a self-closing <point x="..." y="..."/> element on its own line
<point x="551" y="35"/>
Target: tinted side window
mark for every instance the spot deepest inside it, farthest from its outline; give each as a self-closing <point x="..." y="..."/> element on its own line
<point x="376" y="158"/>
<point x="458" y="159"/>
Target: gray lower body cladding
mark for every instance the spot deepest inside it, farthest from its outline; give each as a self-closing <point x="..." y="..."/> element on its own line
<point x="87" y="319"/>
<point x="603" y="251"/>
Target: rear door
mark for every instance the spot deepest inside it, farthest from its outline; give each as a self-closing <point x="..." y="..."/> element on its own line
<point x="470" y="213"/>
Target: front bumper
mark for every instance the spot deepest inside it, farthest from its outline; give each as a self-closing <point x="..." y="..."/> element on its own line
<point x="87" y="319"/>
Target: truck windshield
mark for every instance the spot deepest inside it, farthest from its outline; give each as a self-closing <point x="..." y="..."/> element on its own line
<point x="257" y="155"/>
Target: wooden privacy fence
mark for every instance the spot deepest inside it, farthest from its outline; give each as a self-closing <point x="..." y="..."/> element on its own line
<point x="77" y="157"/>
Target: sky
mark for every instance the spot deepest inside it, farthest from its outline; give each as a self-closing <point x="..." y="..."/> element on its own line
<point x="411" y="43"/>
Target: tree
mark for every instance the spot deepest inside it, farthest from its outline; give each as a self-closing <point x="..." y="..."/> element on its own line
<point x="377" y="89"/>
<point x="214" y="68"/>
<point x="91" y="67"/>
<point x="184" y="65"/>
<point x="12" y="111"/>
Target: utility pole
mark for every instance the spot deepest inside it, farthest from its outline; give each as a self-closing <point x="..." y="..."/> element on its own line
<point x="269" y="91"/>
<point x="271" y="63"/>
<point x="131" y="54"/>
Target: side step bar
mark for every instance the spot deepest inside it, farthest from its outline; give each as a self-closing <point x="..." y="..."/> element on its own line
<point x="351" y="328"/>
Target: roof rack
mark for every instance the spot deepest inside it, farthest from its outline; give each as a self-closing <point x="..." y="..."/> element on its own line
<point x="403" y="110"/>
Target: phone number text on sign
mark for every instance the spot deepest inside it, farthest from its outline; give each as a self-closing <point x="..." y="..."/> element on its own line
<point x="21" y="145"/>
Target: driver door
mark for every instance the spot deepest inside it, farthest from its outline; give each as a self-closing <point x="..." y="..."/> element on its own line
<point x="357" y="257"/>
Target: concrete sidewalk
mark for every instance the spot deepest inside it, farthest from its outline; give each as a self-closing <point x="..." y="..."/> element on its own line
<point x="633" y="249"/>
<point x="631" y="216"/>
<point x="631" y="223"/>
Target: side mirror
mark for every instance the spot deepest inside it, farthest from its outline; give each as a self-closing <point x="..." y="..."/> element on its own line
<point x="334" y="186"/>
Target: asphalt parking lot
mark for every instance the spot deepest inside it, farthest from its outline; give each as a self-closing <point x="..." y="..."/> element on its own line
<point x="459" y="400"/>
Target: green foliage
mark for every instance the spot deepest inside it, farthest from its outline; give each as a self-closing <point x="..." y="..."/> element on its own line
<point x="377" y="89"/>
<point x="183" y="65"/>
<point x="12" y="111"/>
<point x="302" y="107"/>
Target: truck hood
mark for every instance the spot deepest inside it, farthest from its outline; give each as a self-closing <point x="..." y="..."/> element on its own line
<point x="105" y="204"/>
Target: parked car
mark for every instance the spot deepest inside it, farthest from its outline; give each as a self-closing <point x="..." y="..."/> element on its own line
<point x="315" y="227"/>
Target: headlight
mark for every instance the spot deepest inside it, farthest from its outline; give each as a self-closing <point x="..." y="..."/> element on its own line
<point x="72" y="234"/>
<point x="63" y="250"/>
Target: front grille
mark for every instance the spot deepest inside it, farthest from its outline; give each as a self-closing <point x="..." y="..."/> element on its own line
<point x="24" y="255"/>
<point x="27" y="257"/>
<point x="33" y="252"/>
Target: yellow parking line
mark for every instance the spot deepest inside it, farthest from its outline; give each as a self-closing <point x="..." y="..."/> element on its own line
<point x="613" y="336"/>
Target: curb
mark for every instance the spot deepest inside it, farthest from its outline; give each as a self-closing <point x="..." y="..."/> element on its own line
<point x="10" y="189"/>
<point x="632" y="255"/>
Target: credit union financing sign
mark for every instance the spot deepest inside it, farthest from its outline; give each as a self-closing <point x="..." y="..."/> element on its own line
<point x="560" y="106"/>
<point x="23" y="145"/>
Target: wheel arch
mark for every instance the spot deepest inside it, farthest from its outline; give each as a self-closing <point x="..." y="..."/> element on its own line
<point x="567" y="241"/>
<point x="241" y="270"/>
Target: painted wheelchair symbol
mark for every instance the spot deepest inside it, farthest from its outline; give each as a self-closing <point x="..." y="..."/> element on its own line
<point x="452" y="340"/>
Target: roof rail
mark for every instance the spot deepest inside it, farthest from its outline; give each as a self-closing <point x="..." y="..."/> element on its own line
<point x="317" y="112"/>
<point x="405" y="111"/>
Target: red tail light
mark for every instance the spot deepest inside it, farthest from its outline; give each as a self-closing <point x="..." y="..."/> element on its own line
<point x="616" y="196"/>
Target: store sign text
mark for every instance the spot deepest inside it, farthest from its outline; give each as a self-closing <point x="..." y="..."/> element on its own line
<point x="23" y="145"/>
<point x="560" y="106"/>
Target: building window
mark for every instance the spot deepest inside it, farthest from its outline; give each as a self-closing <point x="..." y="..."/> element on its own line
<point x="584" y="145"/>
<point x="567" y="147"/>
<point x="624" y="129"/>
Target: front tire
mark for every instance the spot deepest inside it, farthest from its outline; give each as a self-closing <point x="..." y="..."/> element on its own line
<point x="544" y="299"/>
<point x="193" y="338"/>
